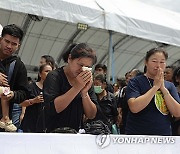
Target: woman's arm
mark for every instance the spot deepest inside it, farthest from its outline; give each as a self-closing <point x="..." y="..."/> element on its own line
<point x="139" y="103"/>
<point x="29" y="102"/>
<point x="82" y="83"/>
<point x="90" y="108"/>
<point x="172" y="104"/>
<point x="62" y="101"/>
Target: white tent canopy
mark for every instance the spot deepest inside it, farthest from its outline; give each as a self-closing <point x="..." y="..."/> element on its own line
<point x="136" y="27"/>
<point x="128" y="17"/>
<point x="74" y="11"/>
<point x="141" y="20"/>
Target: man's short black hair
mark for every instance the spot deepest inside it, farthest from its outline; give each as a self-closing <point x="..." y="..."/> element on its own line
<point x="104" y="67"/>
<point x="13" y="30"/>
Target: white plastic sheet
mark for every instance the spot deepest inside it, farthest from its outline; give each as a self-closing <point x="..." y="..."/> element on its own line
<point x="31" y="143"/>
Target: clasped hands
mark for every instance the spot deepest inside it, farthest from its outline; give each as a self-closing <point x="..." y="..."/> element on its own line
<point x="83" y="81"/>
<point x="159" y="80"/>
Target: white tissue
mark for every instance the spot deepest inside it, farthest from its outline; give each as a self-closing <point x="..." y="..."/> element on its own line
<point x="84" y="68"/>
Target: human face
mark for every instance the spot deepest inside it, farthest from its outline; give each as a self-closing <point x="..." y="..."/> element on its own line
<point x="45" y="72"/>
<point x="99" y="71"/>
<point x="115" y="87"/>
<point x="97" y="83"/>
<point x="9" y="44"/>
<point x="75" y="65"/>
<point x="42" y="61"/>
<point x="133" y="73"/>
<point x="154" y="63"/>
<point x="99" y="87"/>
<point x="128" y="77"/>
<point x="168" y="74"/>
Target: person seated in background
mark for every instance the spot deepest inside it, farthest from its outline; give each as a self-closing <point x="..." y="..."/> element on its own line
<point x="168" y="76"/>
<point x="123" y="107"/>
<point x="168" y="73"/>
<point x="127" y="76"/>
<point x="47" y="59"/>
<point x="35" y="103"/>
<point x="102" y="69"/>
<point x="116" y="89"/>
<point x="134" y="73"/>
<point x="107" y="110"/>
<point x="176" y="121"/>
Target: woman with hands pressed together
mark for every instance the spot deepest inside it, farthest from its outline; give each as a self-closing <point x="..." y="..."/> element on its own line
<point x="68" y="92"/>
<point x="151" y="99"/>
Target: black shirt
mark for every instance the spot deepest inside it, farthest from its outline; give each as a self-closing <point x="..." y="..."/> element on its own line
<point x="18" y="82"/>
<point x="107" y="109"/>
<point x="32" y="112"/>
<point x="56" y="84"/>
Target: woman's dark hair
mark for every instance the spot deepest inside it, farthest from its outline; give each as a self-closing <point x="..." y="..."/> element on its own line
<point x="41" y="68"/>
<point x="122" y="82"/>
<point x="49" y="60"/>
<point x="80" y="50"/>
<point x="171" y="67"/>
<point x="100" y="77"/>
<point x="13" y="30"/>
<point x="127" y="73"/>
<point x="67" y="52"/>
<point x="155" y="50"/>
<point x="176" y="75"/>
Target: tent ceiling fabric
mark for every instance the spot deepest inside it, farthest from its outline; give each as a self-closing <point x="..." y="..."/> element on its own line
<point x="50" y="34"/>
<point x="125" y="16"/>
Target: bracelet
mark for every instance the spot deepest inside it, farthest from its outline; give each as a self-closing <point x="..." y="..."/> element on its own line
<point x="167" y="93"/>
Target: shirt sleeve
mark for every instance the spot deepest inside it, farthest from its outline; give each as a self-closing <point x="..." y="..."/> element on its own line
<point x="133" y="89"/>
<point x="19" y="83"/>
<point x="51" y="90"/>
<point x="174" y="93"/>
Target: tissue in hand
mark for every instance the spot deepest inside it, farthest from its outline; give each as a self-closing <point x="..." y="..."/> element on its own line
<point x="84" y="68"/>
<point x="4" y="90"/>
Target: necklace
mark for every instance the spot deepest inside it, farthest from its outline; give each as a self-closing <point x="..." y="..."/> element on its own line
<point x="149" y="82"/>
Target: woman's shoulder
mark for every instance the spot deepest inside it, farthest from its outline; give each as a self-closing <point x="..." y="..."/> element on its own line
<point x="32" y="84"/>
<point x="56" y="77"/>
<point x="138" y="79"/>
<point x="169" y="85"/>
<point x="57" y="72"/>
